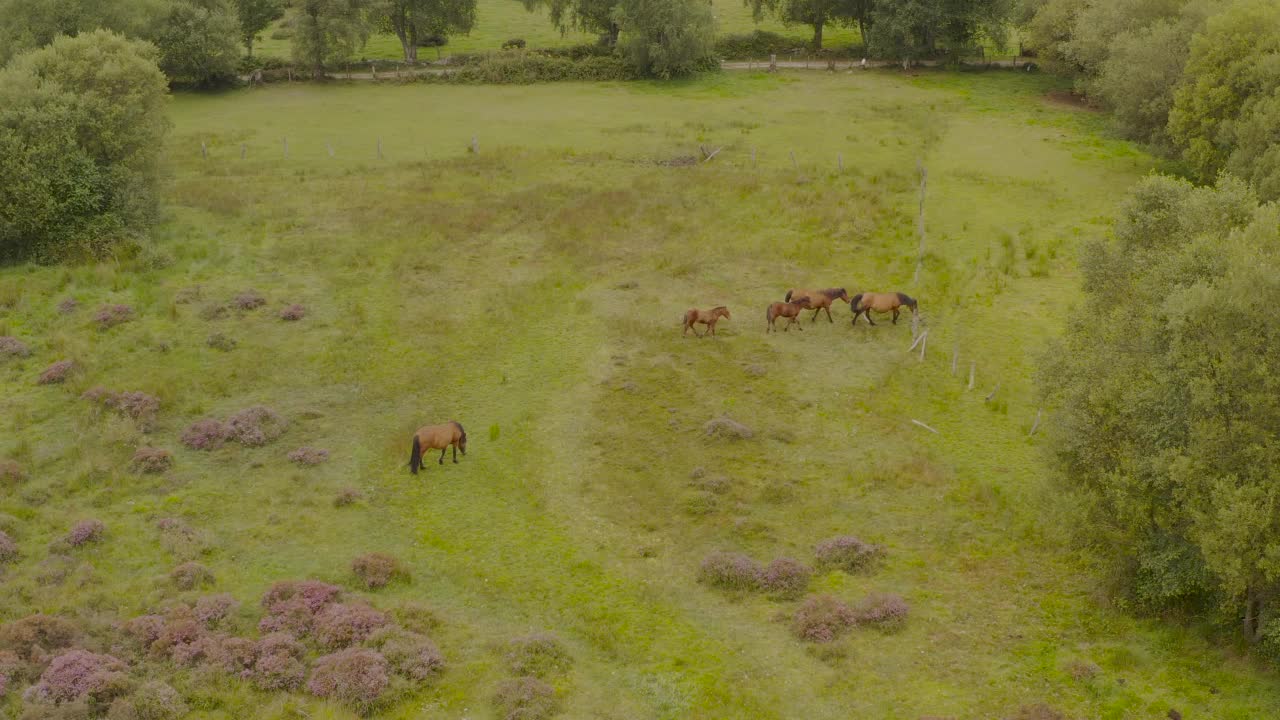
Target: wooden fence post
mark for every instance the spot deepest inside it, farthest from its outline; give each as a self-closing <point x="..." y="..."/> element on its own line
<point x="773" y="62"/>
<point x="840" y="162"/>
<point x="379" y="148"/>
<point x="204" y="150"/>
<point x="993" y="393"/>
<point x="475" y="145"/>
<point x="955" y="356"/>
<point x="971" y="366"/>
<point x="329" y="147"/>
<point x="243" y="149"/>
<point x="286" y="146"/>
<point x="1035" y="425"/>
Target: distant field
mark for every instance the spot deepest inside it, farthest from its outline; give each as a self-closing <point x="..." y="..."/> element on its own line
<point x="533" y="291"/>
<point x="500" y="20"/>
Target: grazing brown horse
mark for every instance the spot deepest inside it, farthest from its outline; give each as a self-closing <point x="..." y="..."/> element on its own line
<point x="706" y="317"/>
<point x="787" y="310"/>
<point x="819" y="300"/>
<point x="437" y="437"/>
<point x="864" y="303"/>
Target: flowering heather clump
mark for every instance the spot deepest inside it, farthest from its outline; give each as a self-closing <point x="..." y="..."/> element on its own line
<point x="8" y="548"/>
<point x="153" y="700"/>
<point x="280" y="643"/>
<point x="78" y="675"/>
<point x="207" y="434"/>
<point x="538" y="655"/>
<point x="249" y="300"/>
<point x="68" y="305"/>
<point x="256" y="426"/>
<point x="341" y="625"/>
<point x="313" y="593"/>
<point x="355" y="676"/>
<point x="220" y="341"/>
<point x="190" y="575"/>
<point x="822" y="618"/>
<point x="278" y="671"/>
<point x="176" y="636"/>
<point x="293" y="313"/>
<point x="11" y="473"/>
<point x="410" y="654"/>
<point x="347" y="496"/>
<point x="847" y="553"/>
<point x="144" y="629"/>
<point x="9" y="666"/>
<point x="526" y="698"/>
<point x="35" y="635"/>
<point x="149" y="460"/>
<point x="211" y="609"/>
<point x="56" y="373"/>
<point x="786" y="578"/>
<point x="730" y="571"/>
<point x="109" y="316"/>
<point x="288" y="616"/>
<point x="139" y="406"/>
<point x="886" y="611"/>
<point x="306" y="456"/>
<point x="13" y="347"/>
<point x="84" y="532"/>
<point x="375" y="570"/>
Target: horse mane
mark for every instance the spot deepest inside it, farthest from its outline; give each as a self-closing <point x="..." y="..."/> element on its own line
<point x="906" y="299"/>
<point x="459" y="426"/>
<point x="719" y="307"/>
<point x="833" y="292"/>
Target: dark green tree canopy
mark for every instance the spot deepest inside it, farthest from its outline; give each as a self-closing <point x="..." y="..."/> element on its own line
<point x="254" y="17"/>
<point x="412" y="20"/>
<point x="199" y="43"/>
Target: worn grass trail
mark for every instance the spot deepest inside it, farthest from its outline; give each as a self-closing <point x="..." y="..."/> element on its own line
<point x="533" y="292"/>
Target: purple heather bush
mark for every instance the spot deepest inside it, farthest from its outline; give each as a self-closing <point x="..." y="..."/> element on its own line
<point x="280" y="643"/>
<point x="144" y="629"/>
<point x="293" y="313"/>
<point x="847" y="553"/>
<point x="150" y="461"/>
<point x="341" y="625"/>
<point x="85" y="532"/>
<point x="886" y="611"/>
<point x="539" y="655"/>
<point x="8" y="548"/>
<point x="176" y="636"/>
<point x="79" y="675"/>
<point x="207" y="434"/>
<point x="139" y="406"/>
<point x="212" y="609"/>
<point x="249" y="300"/>
<point x="68" y="305"/>
<point x="11" y="347"/>
<point x="525" y="698"/>
<point x="288" y="616"/>
<point x="191" y="575"/>
<point x="822" y="618"/>
<point x="35" y="635"/>
<point x="109" y="316"/>
<point x="355" y="676"/>
<point x="730" y="571"/>
<point x="9" y="667"/>
<point x="313" y="593"/>
<point x="307" y="456"/>
<point x="410" y="655"/>
<point x="347" y="496"/>
<point x="786" y="578"/>
<point x="56" y="373"/>
<point x="278" y="671"/>
<point x="11" y="473"/>
<point x="375" y="570"/>
<point x="256" y="426"/>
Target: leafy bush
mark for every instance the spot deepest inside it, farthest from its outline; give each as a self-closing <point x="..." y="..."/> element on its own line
<point x="539" y="655"/>
<point x="212" y="609"/>
<point x="138" y="406"/>
<point x="347" y="496"/>
<point x="758" y="45"/>
<point x="149" y="460"/>
<point x="249" y="300"/>
<point x="207" y="434"/>
<point x="410" y="654"/>
<point x="886" y="611"/>
<point x="82" y="122"/>
<point x="730" y="571"/>
<point x="355" y="676"/>
<point x="822" y="618"/>
<point x="191" y="575"/>
<point x="13" y="347"/>
<point x="847" y="553"/>
<point x="293" y="313"/>
<point x="786" y="578"/>
<point x="199" y="43"/>
<point x="9" y="667"/>
<point x="375" y="570"/>
<point x="153" y="700"/>
<point x="577" y="52"/>
<point x="8" y="548"/>
<point x="341" y="625"/>
<point x="85" y="532"/>
<point x="308" y="456"/>
<point x="256" y="426"/>
<point x="56" y="373"/>
<point x="667" y="38"/>
<point x="526" y="698"/>
<point x="534" y="68"/>
<point x="513" y="44"/>
<point x="109" y="316"/>
<point x="80" y="675"/>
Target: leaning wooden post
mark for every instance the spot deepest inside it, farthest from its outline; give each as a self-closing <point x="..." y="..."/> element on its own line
<point x="955" y="356"/>
<point x="990" y="397"/>
<point x="840" y="162"/>
<point x="924" y="342"/>
<point x="926" y="427"/>
<point x="1035" y="425"/>
<point x="971" y="366"/>
<point x="924" y="175"/>
<point x="373" y="70"/>
<point x="773" y="62"/>
<point x="475" y="145"/>
<point x="204" y="150"/>
<point x="329" y="147"/>
<point x="286" y="146"/>
<point x="794" y="164"/>
<point x="379" y="148"/>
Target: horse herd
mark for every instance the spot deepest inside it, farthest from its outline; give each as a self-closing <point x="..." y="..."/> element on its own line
<point x="798" y="299"/>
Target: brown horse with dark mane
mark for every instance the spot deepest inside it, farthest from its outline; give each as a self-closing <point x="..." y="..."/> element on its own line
<point x="706" y="317"/>
<point x="819" y="300"/>
<point x="864" y="303"/>
<point x="789" y="310"/>
<point x="437" y="437"/>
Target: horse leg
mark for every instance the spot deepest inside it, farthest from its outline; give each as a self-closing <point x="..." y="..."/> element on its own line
<point x="869" y="320"/>
<point x="895" y="316"/>
<point x="828" y="309"/>
<point x="455" y="453"/>
<point x="815" y="315"/>
<point x="442" y="455"/>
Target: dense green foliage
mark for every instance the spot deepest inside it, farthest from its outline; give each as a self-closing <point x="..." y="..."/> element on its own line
<point x="81" y="123"/>
<point x="814" y="13"/>
<point x="917" y="28"/>
<point x="29" y="24"/>
<point x="414" y="21"/>
<point x="200" y="43"/>
<point x="254" y="17"/>
<point x="667" y="38"/>
<point x="523" y="68"/>
<point x="591" y="16"/>
<point x="1169" y="402"/>
<point x="326" y="33"/>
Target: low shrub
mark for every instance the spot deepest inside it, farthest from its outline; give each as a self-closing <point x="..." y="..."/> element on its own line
<point x="356" y="677"/>
<point x="137" y="406"/>
<point x="727" y="428"/>
<point x="822" y="618"/>
<point x="786" y="578"/>
<point x="212" y="609"/>
<point x="312" y="593"/>
<point x="847" y="553"/>
<point x="153" y="700"/>
<point x="525" y="698"/>
<point x="8" y="548"/>
<point x="278" y="671"/>
<point x="757" y="45"/>
<point x="1082" y="671"/>
<point x="293" y="313"/>
<point x="179" y="639"/>
<point x="191" y="575"/>
<point x="68" y="306"/>
<point x="527" y="68"/>
<point x="730" y="571"/>
<point x="150" y="461"/>
<point x="85" y="532"/>
<point x="581" y="51"/>
<point x="280" y="643"/>
<point x="109" y="316"/>
<point x="213" y="311"/>
<point x="9" y="667"/>
<point x="11" y="473"/>
<point x="221" y="342"/>
<point x="181" y="539"/>
<point x="416" y="617"/>
<point x="144" y="629"/>
<point x="206" y="434"/>
<point x="80" y="675"/>
<point x="514" y="44"/>
<point x="347" y="496"/>
<point x="540" y="655"/>
<point x="375" y="570"/>
<point x="37" y="634"/>
<point x="410" y="655"/>
<point x="341" y="625"/>
<point x="256" y="426"/>
<point x="56" y="373"/>
<point x="249" y="300"/>
<point x="307" y="456"/>
<point x="11" y="347"/>
<point x="886" y="611"/>
<point x="1038" y="711"/>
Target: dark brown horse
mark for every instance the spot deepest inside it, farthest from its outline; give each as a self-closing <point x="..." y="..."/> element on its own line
<point x="864" y="303"/>
<point x="706" y="317"/>
<point x="819" y="300"/>
<point x="789" y="310"/>
<point x="437" y="437"/>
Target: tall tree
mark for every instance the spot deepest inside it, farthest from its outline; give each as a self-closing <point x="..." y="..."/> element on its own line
<point x="327" y="32"/>
<point x="199" y="43"/>
<point x="914" y="28"/>
<point x="30" y="24"/>
<point x="593" y="16"/>
<point x="412" y="20"/>
<point x="666" y="38"/>
<point x="255" y="16"/>
<point x="817" y="14"/>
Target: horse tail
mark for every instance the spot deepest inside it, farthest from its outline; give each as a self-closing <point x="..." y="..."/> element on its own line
<point x="855" y="301"/>
<point x="788" y="297"/>
<point x="415" y="457"/>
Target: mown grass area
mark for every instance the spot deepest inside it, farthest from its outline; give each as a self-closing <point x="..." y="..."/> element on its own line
<point x="533" y="292"/>
<point x="500" y="20"/>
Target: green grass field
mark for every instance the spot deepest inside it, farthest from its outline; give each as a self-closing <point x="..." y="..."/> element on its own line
<point x="533" y="291"/>
<point x="500" y="20"/>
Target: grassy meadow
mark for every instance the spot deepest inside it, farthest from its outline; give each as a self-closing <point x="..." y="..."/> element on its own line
<point x="533" y="291"/>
